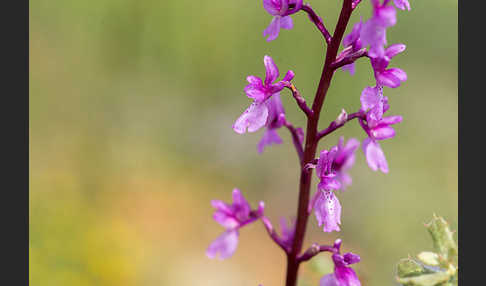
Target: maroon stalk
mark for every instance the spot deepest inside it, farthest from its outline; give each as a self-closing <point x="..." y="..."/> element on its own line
<point x="335" y="125"/>
<point x="293" y="261"/>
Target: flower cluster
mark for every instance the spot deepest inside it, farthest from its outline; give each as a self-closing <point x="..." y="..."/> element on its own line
<point x="376" y="126"/>
<point x="366" y="39"/>
<point x="372" y="33"/>
<point x="333" y="163"/>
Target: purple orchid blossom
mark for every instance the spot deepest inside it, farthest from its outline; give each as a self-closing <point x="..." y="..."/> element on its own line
<point x="332" y="169"/>
<point x="281" y="11"/>
<point x="376" y="126"/>
<point x="256" y="115"/>
<point x="232" y="217"/>
<point x="343" y="275"/>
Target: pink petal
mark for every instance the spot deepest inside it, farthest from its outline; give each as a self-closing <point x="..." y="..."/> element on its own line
<point x="253" y="118"/>
<point x="254" y="80"/>
<point x="394" y="50"/>
<point x="242" y="205"/>
<point x="255" y="93"/>
<point x="352" y="145"/>
<point x="399" y="73"/>
<point x="225" y="220"/>
<point x="328" y="211"/>
<point x="273" y="29"/>
<point x="374" y="155"/>
<point x="383" y="133"/>
<point x="225" y="245"/>
<point x="386" y="16"/>
<point x="389" y="120"/>
<point x="346" y="276"/>
<point x="271" y="70"/>
<point x="289" y="75"/>
<point x="329" y="280"/>
<point x="351" y="258"/>
<point x="387" y="78"/>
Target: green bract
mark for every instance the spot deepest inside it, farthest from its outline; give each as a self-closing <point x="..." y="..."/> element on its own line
<point x="432" y="268"/>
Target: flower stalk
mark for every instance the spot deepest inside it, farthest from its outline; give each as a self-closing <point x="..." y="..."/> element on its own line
<point x="311" y="141"/>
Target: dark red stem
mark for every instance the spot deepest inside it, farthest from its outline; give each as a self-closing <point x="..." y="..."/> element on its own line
<point x="311" y="141"/>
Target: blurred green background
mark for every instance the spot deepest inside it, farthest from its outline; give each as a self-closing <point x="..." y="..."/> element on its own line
<point x="131" y="107"/>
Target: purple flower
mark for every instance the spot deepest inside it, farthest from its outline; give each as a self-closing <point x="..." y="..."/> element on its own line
<point x="343" y="275"/>
<point x="388" y="77"/>
<point x="373" y="32"/>
<point x="225" y="245"/>
<point x="376" y="126"/>
<point x="256" y="115"/>
<point x="281" y="11"/>
<point x="353" y="43"/>
<point x="232" y="217"/>
<point x="332" y="165"/>
<point x="327" y="210"/>
<point x="374" y="155"/>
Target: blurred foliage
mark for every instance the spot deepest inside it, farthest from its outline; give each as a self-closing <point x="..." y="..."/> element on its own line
<point x="131" y="107"/>
<point x="438" y="268"/>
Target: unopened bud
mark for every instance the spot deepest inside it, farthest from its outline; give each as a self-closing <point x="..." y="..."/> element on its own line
<point x="342" y="117"/>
